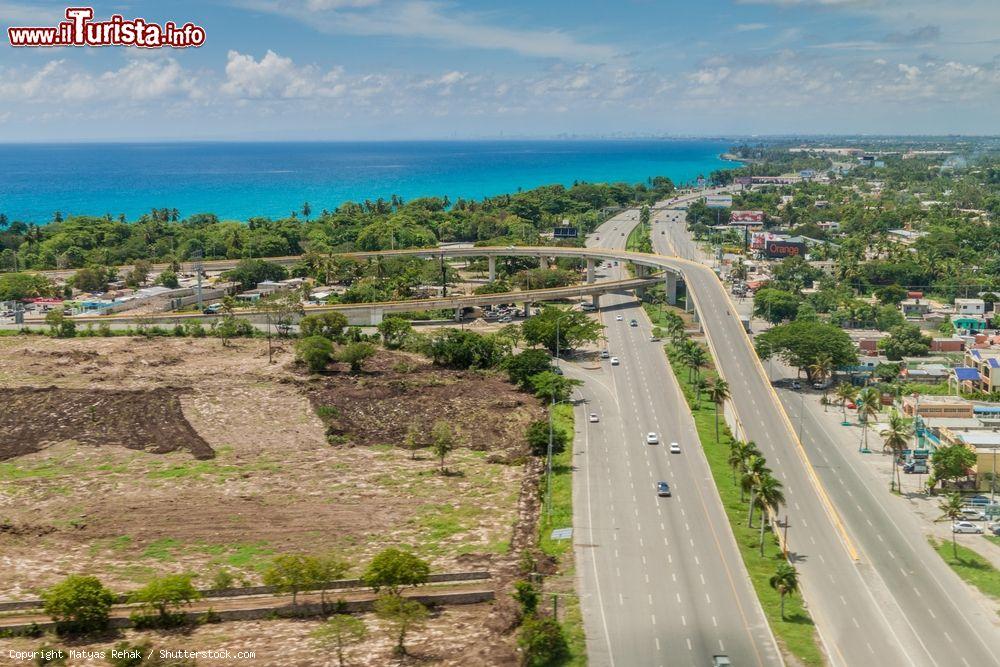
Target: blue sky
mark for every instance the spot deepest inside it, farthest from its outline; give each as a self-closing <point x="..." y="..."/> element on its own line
<point x="400" y="69"/>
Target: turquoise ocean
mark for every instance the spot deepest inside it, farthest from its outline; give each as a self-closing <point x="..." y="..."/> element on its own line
<point x="242" y="180"/>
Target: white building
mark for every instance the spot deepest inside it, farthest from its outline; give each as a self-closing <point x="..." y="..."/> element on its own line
<point x="970" y="306"/>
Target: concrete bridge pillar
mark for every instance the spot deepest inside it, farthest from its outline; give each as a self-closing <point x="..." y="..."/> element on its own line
<point x="543" y="262"/>
<point x="458" y="314"/>
<point x="375" y="316"/>
<point x="493" y="267"/>
<point x="671" y="288"/>
<point x="527" y="309"/>
<point x="595" y="299"/>
<point x="590" y="272"/>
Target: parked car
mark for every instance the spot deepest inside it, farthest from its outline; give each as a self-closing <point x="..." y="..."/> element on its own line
<point x="796" y="385"/>
<point x="663" y="489"/>
<point x="654" y="339"/>
<point x="605" y="354"/>
<point x="995" y="529"/>
<point x="594" y="418"/>
<point x="652" y="438"/>
<point x="978" y="500"/>
<point x="675" y="448"/>
<point x="619" y="318"/>
<point x="973" y="514"/>
<point x="614" y="361"/>
<point x="966" y="527"/>
<point x="633" y="323"/>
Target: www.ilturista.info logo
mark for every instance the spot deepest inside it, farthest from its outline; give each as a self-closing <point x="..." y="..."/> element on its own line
<point x="80" y="30"/>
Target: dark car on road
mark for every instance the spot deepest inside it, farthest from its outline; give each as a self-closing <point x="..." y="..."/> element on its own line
<point x="663" y="489"/>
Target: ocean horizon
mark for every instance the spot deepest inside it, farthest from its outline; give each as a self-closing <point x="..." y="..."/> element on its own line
<point x="240" y="180"/>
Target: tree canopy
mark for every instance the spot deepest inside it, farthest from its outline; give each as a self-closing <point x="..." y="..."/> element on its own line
<point x="802" y="342"/>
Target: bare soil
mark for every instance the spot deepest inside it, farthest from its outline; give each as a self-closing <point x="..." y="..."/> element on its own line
<point x="122" y="489"/>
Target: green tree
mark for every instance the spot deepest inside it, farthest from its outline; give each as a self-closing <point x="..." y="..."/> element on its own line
<point x="413" y="440"/>
<point x="60" y="326"/>
<point x="168" y="278"/>
<point x="230" y="327"/>
<point x="951" y="510"/>
<point x="573" y="328"/>
<point x="315" y="352"/>
<point x="951" y="462"/>
<point x="393" y="570"/>
<point x="890" y="295"/>
<point x="394" y="330"/>
<point x="526" y="596"/>
<point x="769" y="497"/>
<point x="775" y="305"/>
<point x="403" y="614"/>
<point x="523" y="365"/>
<point x="538" y="438"/>
<point x="443" y="440"/>
<point x="78" y="604"/>
<point x="321" y="570"/>
<point x="339" y="632"/>
<point x="251" y="272"/>
<point x="845" y="393"/>
<point x="289" y="573"/>
<point x="718" y="393"/>
<point x="801" y="343"/>
<point x="329" y="325"/>
<point x="895" y="438"/>
<point x="869" y="404"/>
<point x="905" y="340"/>
<point x="785" y="580"/>
<point x="552" y="386"/>
<point x="356" y="354"/>
<point x="543" y="642"/>
<point x="454" y="348"/>
<point x="164" y="596"/>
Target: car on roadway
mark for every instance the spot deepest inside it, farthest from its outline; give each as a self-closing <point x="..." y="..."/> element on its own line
<point x="721" y="661"/>
<point x="614" y="361"/>
<point x="654" y="339"/>
<point x="675" y="448"/>
<point x="652" y="438"/>
<point x="796" y="385"/>
<point x="593" y="419"/>
<point x="633" y="323"/>
<point x="605" y="354"/>
<point x="973" y="514"/>
<point x="663" y="489"/>
<point x="966" y="527"/>
<point x="619" y="318"/>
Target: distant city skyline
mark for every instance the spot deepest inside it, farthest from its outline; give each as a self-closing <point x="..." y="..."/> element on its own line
<point x="428" y="69"/>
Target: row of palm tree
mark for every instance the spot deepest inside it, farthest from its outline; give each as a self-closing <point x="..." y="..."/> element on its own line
<point x="750" y="471"/>
<point x="895" y="435"/>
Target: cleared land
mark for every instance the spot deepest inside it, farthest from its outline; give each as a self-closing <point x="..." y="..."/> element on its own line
<point x="300" y="464"/>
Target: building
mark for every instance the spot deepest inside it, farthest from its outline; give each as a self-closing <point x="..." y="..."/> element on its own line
<point x="987" y="362"/>
<point x="915" y="308"/>
<point x="970" y="307"/>
<point x="937" y="407"/>
<point x="986" y="444"/>
<point x="952" y="344"/>
<point x="969" y="323"/>
<point x="927" y="374"/>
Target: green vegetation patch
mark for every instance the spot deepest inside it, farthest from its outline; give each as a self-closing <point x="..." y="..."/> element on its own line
<point x="973" y="568"/>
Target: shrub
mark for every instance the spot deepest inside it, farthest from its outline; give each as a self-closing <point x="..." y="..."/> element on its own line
<point x="543" y="642"/>
<point x="162" y="599"/>
<point x="538" y="438"/>
<point x="394" y="569"/>
<point x="79" y="604"/>
<point x="329" y="325"/>
<point x="315" y="352"/>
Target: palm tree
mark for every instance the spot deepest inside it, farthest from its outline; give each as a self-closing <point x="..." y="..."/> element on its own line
<point x="700" y="385"/>
<point x="769" y="498"/>
<point x="821" y="369"/>
<point x="736" y="456"/>
<point x="697" y="359"/>
<point x="718" y="393"/>
<point x="755" y="470"/>
<point x="895" y="438"/>
<point x="869" y="404"/>
<point x="785" y="580"/>
<point x="845" y="393"/>
<point x="951" y="510"/>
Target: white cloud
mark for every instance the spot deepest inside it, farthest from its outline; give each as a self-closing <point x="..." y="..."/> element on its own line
<point x="135" y="83"/>
<point x="18" y="14"/>
<point x="275" y="77"/>
<point x="443" y="25"/>
<point x="749" y="27"/>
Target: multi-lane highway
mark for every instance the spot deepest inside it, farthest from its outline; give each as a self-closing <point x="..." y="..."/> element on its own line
<point x="875" y="596"/>
<point x="661" y="580"/>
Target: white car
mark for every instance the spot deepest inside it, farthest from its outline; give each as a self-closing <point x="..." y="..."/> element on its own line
<point x="594" y="418"/>
<point x="675" y="448"/>
<point x="652" y="438"/>
<point x="966" y="527"/>
<point x="619" y="318"/>
<point x="614" y="361"/>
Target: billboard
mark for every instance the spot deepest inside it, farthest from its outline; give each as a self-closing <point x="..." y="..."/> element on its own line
<point x="565" y="232"/>
<point x="718" y="201"/>
<point x="747" y="217"/>
<point x="784" y="249"/>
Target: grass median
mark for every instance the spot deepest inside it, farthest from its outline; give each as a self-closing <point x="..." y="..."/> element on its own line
<point x="970" y="566"/>
<point x="796" y="632"/>
<point x="563" y="584"/>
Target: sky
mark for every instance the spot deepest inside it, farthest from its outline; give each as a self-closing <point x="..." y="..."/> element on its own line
<point x="457" y="69"/>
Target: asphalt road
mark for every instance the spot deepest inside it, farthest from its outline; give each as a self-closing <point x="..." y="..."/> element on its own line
<point x="874" y="595"/>
<point x="661" y="580"/>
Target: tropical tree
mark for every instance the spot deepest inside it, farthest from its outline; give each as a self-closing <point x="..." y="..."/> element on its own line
<point x="79" y="604"/>
<point x="845" y="393"/>
<point x="895" y="437"/>
<point x="402" y="614"/>
<point x="785" y="580"/>
<point x="339" y="632"/>
<point x="821" y="368"/>
<point x="769" y="498"/>
<point x="755" y="470"/>
<point x="869" y="404"/>
<point x="695" y="359"/>
<point x="718" y="393"/>
<point x="951" y="510"/>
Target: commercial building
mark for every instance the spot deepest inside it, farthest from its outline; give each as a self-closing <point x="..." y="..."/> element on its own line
<point x="937" y="407"/>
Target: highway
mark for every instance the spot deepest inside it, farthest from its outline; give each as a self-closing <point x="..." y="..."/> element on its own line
<point x="661" y="580"/>
<point x="874" y="595"/>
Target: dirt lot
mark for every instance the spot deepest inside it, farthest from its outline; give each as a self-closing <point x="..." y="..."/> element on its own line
<point x="453" y="636"/>
<point x="122" y="490"/>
